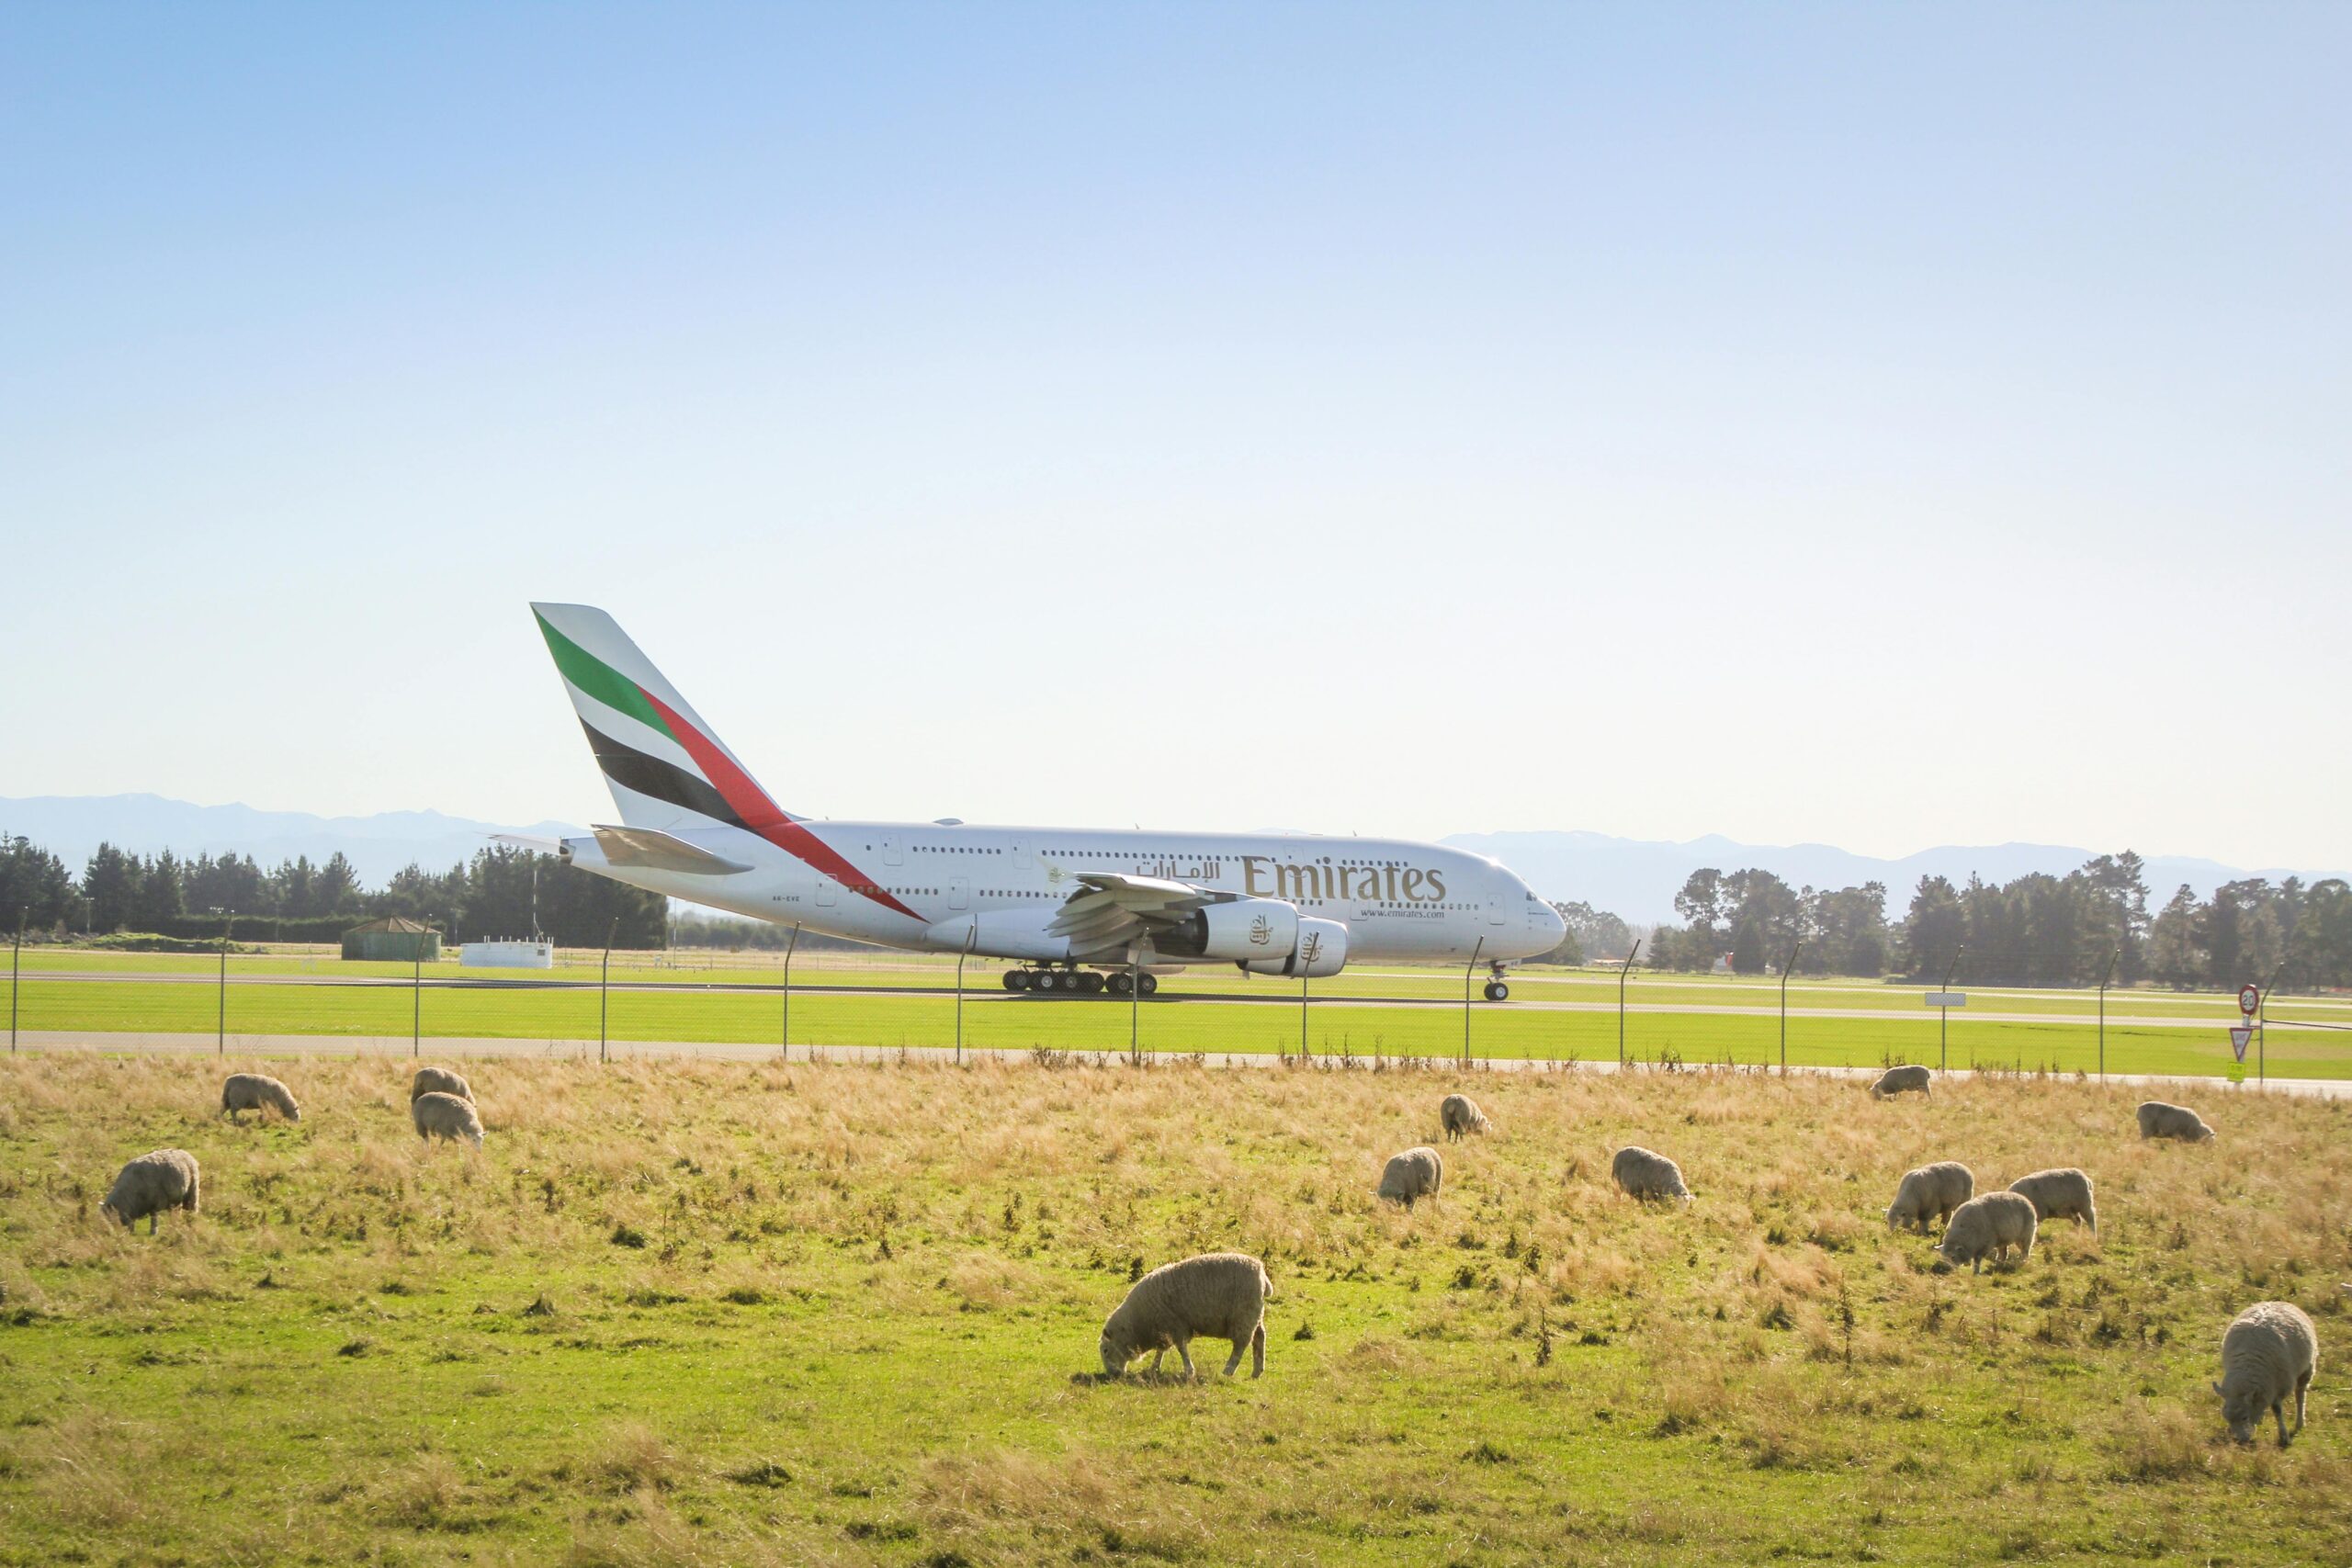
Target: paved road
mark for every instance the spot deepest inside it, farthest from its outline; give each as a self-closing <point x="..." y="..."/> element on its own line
<point x="464" y="1046"/>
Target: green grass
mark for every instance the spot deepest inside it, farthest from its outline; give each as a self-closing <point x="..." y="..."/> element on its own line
<point x="703" y="1313"/>
<point x="1863" y="1038"/>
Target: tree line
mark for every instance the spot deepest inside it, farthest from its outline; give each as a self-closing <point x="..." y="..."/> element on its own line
<point x="502" y="892"/>
<point x="2038" y="930"/>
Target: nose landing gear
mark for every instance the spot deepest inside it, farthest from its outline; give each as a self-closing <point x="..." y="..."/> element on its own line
<point x="1498" y="988"/>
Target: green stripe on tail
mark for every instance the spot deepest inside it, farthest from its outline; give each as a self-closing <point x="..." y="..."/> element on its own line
<point x="599" y="680"/>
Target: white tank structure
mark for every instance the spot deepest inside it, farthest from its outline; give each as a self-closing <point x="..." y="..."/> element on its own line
<point x="507" y="955"/>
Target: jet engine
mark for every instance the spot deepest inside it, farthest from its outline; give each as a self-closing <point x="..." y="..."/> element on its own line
<point x="1242" y="929"/>
<point x="1321" y="951"/>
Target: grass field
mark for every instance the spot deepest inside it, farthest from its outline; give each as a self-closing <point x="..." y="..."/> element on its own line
<point x="704" y="1312"/>
<point x="1726" y="1020"/>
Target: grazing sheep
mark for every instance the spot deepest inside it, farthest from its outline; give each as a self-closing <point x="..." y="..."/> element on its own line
<point x="1931" y="1192"/>
<point x="2158" y="1119"/>
<point x="255" y="1091"/>
<point x="1987" y="1227"/>
<point x="1462" y="1117"/>
<point x="151" y="1184"/>
<point x="1894" y="1080"/>
<point x="2059" y="1195"/>
<point x="445" y="1116"/>
<point x="1642" y="1174"/>
<point x="1219" y="1295"/>
<point x="2268" y="1354"/>
<point x="440" y="1081"/>
<point x="1416" y="1173"/>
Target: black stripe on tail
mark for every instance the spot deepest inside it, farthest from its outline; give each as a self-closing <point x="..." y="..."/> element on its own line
<point x="659" y="780"/>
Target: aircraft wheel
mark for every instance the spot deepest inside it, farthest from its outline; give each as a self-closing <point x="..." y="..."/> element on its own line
<point x="1044" y="980"/>
<point x="1090" y="982"/>
<point x="1497" y="991"/>
<point x="1017" y="979"/>
<point x="1122" y="985"/>
<point x="1151" y="984"/>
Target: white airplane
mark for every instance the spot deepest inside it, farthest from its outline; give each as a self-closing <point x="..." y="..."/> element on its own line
<point x="1082" y="910"/>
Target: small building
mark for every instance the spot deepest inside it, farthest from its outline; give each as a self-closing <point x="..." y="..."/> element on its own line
<point x="393" y="939"/>
<point x="512" y="955"/>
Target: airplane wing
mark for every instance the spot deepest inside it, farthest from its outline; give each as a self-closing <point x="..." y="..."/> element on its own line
<point x="1111" y="909"/>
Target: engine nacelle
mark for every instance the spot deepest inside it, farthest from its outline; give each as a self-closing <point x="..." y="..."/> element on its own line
<point x="1321" y="951"/>
<point x="1243" y="929"/>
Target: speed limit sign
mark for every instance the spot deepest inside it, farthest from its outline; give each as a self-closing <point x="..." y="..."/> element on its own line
<point x="2249" y="998"/>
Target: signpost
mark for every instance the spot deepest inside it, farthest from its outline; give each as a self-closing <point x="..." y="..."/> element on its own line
<point x="2249" y="1002"/>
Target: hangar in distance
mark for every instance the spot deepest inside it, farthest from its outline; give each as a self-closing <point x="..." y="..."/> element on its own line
<point x="1081" y="910"/>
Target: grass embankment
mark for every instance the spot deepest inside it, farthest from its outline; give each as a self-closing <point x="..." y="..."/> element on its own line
<point x="704" y="1312"/>
<point x="1168" y="1024"/>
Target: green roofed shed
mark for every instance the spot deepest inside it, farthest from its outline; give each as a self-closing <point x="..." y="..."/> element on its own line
<point x="392" y="938"/>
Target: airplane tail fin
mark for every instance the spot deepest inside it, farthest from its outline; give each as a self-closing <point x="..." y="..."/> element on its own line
<point x="666" y="768"/>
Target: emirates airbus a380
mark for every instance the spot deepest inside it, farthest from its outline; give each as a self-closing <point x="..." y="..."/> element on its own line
<point x="1082" y="910"/>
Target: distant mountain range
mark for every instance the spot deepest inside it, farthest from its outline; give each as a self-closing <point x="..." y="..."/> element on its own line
<point x="1638" y="878"/>
<point x="72" y="827"/>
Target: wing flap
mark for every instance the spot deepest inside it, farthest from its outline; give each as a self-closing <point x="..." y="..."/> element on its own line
<point x="657" y="850"/>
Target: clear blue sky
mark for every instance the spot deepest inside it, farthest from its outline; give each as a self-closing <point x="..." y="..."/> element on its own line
<point x="1886" y="425"/>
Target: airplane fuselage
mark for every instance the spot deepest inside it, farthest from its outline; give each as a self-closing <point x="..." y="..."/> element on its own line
<point x="940" y="887"/>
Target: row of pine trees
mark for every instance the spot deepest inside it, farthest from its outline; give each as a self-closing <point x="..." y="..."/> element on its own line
<point x="2038" y="930"/>
<point x="502" y="892"/>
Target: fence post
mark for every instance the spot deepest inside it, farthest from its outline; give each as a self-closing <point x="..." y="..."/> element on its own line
<point x="1467" y="970"/>
<point x="971" y="937"/>
<point x="789" y="948"/>
<point x="1785" y="968"/>
<point x="16" y="967"/>
<point x="605" y="991"/>
<point x="221" y="1044"/>
<point x="1943" y="1026"/>
<point x="2105" y="980"/>
<point x="1623" y="970"/>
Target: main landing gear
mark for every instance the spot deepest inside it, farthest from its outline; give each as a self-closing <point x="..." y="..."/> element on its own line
<point x="1076" y="982"/>
<point x="1498" y="989"/>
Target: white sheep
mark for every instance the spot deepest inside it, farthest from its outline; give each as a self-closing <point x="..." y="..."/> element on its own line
<point x="1462" y="1117"/>
<point x="151" y="1184"/>
<point x="2061" y="1194"/>
<point x="1640" y="1173"/>
<point x="2268" y="1354"/>
<point x="1894" y="1080"/>
<point x="2158" y="1119"/>
<point x="256" y="1091"/>
<point x="445" y="1116"/>
<point x="1418" y="1172"/>
<point x="439" y="1080"/>
<point x="1931" y="1192"/>
<point x="1987" y="1227"/>
<point x="1218" y="1295"/>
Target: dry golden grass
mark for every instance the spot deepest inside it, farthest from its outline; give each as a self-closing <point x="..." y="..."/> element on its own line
<point x="694" y="1311"/>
